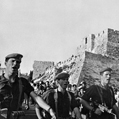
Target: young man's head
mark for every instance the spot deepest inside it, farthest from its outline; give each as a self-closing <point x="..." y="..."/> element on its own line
<point x="62" y="79"/>
<point x="12" y="63"/>
<point x="74" y="87"/>
<point x="69" y="87"/>
<point x="105" y="76"/>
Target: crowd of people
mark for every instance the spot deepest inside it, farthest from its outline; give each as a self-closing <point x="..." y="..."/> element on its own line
<point x="59" y="99"/>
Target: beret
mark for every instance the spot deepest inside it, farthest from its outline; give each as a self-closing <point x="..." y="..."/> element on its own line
<point x="62" y="75"/>
<point x="14" y="55"/>
<point x="105" y="69"/>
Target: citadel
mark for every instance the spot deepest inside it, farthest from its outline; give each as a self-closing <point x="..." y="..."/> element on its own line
<point x="96" y="51"/>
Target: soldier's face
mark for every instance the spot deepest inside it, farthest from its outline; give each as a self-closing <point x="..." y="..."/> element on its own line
<point x="63" y="83"/>
<point x="12" y="65"/>
<point x="105" y="77"/>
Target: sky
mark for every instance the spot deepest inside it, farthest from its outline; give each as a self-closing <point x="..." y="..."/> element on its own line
<point x="51" y="30"/>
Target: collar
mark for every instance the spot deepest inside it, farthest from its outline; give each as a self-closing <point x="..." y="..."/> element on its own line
<point x="61" y="91"/>
<point x="104" y="87"/>
<point x="3" y="79"/>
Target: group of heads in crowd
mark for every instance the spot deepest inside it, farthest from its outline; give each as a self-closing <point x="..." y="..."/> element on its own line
<point x="62" y="74"/>
<point x="61" y="78"/>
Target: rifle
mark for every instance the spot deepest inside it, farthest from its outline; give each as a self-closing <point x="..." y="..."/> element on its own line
<point x="104" y="108"/>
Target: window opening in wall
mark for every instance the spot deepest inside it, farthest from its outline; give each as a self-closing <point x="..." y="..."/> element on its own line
<point x="85" y="40"/>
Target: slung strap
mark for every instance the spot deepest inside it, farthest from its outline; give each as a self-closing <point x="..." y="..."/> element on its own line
<point x="20" y="93"/>
<point x="56" y="100"/>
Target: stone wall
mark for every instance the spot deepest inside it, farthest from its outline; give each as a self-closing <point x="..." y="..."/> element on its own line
<point x="100" y="43"/>
<point x="77" y="69"/>
<point x="113" y="36"/>
<point x="40" y="66"/>
<point x="92" y="65"/>
<point x="113" y="50"/>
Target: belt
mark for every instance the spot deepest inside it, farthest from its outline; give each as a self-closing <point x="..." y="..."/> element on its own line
<point x="3" y="113"/>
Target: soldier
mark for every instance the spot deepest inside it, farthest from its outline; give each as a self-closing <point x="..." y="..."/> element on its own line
<point x="12" y="88"/>
<point x="62" y="101"/>
<point x="101" y="97"/>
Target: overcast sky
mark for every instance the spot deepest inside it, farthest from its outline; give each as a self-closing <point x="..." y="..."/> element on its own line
<point x="50" y="30"/>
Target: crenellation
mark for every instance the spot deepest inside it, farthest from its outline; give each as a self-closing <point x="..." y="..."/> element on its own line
<point x="97" y="43"/>
<point x="92" y="41"/>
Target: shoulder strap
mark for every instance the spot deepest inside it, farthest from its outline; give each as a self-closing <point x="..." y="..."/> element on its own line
<point x="69" y="95"/>
<point x="20" y="92"/>
<point x="56" y="100"/>
<point x="100" y="93"/>
<point x="70" y="98"/>
<point x="112" y="94"/>
<point x="56" y="95"/>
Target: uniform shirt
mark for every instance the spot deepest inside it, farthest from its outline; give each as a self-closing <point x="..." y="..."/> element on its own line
<point x="95" y="93"/>
<point x="13" y="90"/>
<point x="64" y="104"/>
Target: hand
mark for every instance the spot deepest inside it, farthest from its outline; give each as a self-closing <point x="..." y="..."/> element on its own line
<point x="98" y="111"/>
<point x="52" y="113"/>
<point x="26" y="106"/>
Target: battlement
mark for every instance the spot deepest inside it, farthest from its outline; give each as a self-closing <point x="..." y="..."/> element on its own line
<point x="104" y="43"/>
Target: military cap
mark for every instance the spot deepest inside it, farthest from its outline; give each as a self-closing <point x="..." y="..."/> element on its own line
<point x="14" y="55"/>
<point x="105" y="69"/>
<point x="62" y="75"/>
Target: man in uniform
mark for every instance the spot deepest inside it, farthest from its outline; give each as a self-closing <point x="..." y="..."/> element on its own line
<point x="101" y="97"/>
<point x="62" y="101"/>
<point x="12" y="88"/>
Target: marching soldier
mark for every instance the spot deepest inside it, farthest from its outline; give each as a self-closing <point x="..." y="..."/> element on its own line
<point x="12" y="88"/>
<point x="62" y="101"/>
<point x="102" y="98"/>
